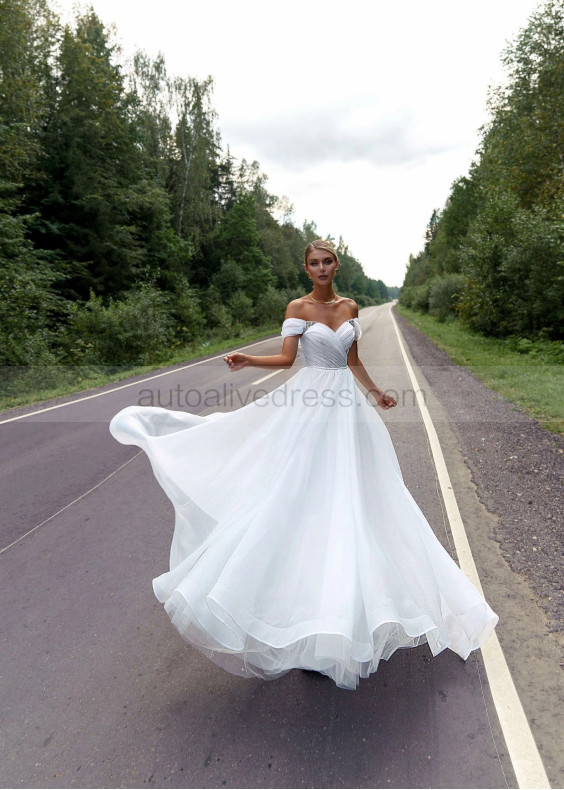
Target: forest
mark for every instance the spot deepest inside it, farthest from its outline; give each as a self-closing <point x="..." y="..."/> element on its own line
<point x="493" y="257"/>
<point x="127" y="227"/>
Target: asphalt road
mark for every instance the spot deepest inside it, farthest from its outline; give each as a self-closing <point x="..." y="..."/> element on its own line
<point x="98" y="690"/>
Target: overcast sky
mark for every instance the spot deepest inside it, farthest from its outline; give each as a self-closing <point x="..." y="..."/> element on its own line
<point x="361" y="112"/>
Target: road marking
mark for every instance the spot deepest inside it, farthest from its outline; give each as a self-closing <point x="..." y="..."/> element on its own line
<point x="131" y="384"/>
<point x="523" y="752"/>
<point x="264" y="378"/>
<point x="71" y="503"/>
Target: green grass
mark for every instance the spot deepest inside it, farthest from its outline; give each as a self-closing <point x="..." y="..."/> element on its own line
<point x="25" y="386"/>
<point x="528" y="373"/>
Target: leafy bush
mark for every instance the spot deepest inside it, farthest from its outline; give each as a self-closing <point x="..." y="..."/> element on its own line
<point x="29" y="309"/>
<point x="220" y="317"/>
<point x="270" y="306"/>
<point x="513" y="262"/>
<point x="444" y="293"/>
<point x="241" y="307"/>
<point x="229" y="278"/>
<point x="137" y="329"/>
<point x="186" y="311"/>
<point x="420" y="297"/>
<point x="405" y="295"/>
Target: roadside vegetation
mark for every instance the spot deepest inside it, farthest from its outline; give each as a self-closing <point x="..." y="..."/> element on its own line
<point x="129" y="233"/>
<point x="529" y="373"/>
<point x="488" y="285"/>
<point x="32" y="384"/>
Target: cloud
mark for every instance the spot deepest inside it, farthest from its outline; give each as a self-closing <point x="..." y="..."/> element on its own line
<point x="360" y="130"/>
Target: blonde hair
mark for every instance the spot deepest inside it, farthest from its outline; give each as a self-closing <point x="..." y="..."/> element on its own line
<point x="320" y="244"/>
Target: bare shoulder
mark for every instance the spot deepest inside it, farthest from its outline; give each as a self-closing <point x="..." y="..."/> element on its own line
<point x="352" y="306"/>
<point x="295" y="308"/>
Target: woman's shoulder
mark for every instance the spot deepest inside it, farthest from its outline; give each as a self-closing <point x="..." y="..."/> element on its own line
<point x="298" y="308"/>
<point x="352" y="305"/>
<point x="295" y="308"/>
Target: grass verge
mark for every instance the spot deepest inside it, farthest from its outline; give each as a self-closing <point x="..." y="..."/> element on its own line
<point x="528" y="373"/>
<point x="26" y="386"/>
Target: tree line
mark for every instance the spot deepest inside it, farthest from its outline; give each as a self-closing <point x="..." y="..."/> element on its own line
<point x="126" y="227"/>
<point x="494" y="255"/>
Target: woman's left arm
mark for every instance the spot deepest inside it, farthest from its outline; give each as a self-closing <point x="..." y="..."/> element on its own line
<point x="359" y="371"/>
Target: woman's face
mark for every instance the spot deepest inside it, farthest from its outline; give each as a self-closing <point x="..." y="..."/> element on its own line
<point x="321" y="266"/>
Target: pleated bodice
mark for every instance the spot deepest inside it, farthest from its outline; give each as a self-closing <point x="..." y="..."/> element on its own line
<point x="322" y="346"/>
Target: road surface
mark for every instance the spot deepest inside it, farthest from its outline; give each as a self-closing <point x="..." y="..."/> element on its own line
<point x="97" y="689"/>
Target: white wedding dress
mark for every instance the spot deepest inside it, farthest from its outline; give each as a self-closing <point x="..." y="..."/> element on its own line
<point x="296" y="542"/>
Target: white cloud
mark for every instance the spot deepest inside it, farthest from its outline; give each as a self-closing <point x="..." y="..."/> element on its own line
<point x="347" y="131"/>
<point x="363" y="113"/>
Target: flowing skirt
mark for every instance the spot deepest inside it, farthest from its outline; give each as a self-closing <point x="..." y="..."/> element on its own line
<point x="296" y="543"/>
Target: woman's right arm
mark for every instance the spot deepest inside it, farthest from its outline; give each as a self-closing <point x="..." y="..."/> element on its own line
<point x="285" y="359"/>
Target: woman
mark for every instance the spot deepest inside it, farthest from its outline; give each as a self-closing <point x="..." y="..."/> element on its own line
<point x="321" y="265"/>
<point x="296" y="543"/>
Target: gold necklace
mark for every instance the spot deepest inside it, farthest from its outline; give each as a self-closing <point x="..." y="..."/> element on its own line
<point x="318" y="301"/>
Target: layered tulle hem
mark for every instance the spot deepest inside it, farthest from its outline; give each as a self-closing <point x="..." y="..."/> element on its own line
<point x="319" y="647"/>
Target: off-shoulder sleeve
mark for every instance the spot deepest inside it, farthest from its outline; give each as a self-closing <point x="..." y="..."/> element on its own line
<point x="357" y="329"/>
<point x="293" y="326"/>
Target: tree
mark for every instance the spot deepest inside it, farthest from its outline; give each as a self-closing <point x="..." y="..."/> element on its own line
<point x="96" y="208"/>
<point x="432" y="228"/>
<point x="150" y="88"/>
<point x="28" y="306"/>
<point x="28" y="38"/>
<point x="237" y="240"/>
<point x="197" y="143"/>
<point x="523" y="145"/>
<point x="501" y="227"/>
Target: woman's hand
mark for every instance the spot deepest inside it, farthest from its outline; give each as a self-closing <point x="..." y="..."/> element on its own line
<point x="385" y="401"/>
<point x="236" y="361"/>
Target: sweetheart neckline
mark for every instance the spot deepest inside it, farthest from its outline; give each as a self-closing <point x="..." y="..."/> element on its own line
<point x="348" y="320"/>
<point x="328" y="327"/>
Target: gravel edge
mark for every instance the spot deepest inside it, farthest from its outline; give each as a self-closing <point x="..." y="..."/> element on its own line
<point x="516" y="465"/>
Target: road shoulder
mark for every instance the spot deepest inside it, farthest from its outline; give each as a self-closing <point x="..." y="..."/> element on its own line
<point x="505" y="472"/>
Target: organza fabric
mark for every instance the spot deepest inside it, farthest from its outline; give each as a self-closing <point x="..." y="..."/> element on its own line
<point x="296" y="543"/>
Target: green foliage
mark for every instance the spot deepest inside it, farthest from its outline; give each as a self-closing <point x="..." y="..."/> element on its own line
<point x="277" y="243"/>
<point x="28" y="305"/>
<point x="444" y="295"/>
<point x="186" y="311"/>
<point x="270" y="306"/>
<point x="217" y="313"/>
<point x="123" y="225"/>
<point x="28" y="37"/>
<point x="501" y="228"/>
<point x="229" y="278"/>
<point x="237" y="241"/>
<point x="420" y="297"/>
<point x="514" y="269"/>
<point x="528" y="372"/>
<point x="193" y="170"/>
<point x="523" y="146"/>
<point x="94" y="205"/>
<point x="136" y="329"/>
<point x="241" y="308"/>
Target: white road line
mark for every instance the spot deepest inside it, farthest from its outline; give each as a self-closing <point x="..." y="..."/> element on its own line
<point x="521" y="745"/>
<point x="71" y="503"/>
<point x="125" y="386"/>
<point x="264" y="378"/>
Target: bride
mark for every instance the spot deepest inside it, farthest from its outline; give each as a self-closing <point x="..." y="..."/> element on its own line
<point x="296" y="543"/>
<point x="321" y="264"/>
